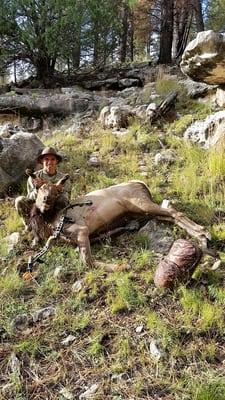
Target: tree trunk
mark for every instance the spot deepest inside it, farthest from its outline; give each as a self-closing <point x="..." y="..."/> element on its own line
<point x="166" y="31"/>
<point x="123" y="45"/>
<point x="96" y="55"/>
<point x="76" y="52"/>
<point x="132" y="37"/>
<point x="14" y="71"/>
<point x="183" y="21"/>
<point x="45" y="68"/>
<point x="198" y="16"/>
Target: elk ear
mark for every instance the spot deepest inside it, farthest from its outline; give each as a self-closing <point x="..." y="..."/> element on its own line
<point x="63" y="180"/>
<point x="30" y="173"/>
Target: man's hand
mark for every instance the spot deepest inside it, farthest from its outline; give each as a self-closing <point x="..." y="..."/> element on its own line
<point x="38" y="182"/>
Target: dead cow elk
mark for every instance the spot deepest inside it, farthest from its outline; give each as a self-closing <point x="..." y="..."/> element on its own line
<point x="108" y="207"/>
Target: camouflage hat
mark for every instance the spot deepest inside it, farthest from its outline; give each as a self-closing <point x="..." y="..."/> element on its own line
<point x="46" y="151"/>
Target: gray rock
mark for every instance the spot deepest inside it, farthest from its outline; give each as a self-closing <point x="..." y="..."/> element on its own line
<point x="94" y="160"/>
<point x="12" y="240"/>
<point x="17" y="153"/>
<point x="58" y="270"/>
<point x="68" y="340"/>
<point x="66" y="394"/>
<point x="139" y="328"/>
<point x="198" y="89"/>
<point x="128" y="82"/>
<point x="89" y="392"/>
<point x="57" y="104"/>
<point x="126" y="93"/>
<point x="21" y="321"/>
<point x="220" y="97"/>
<point x="208" y="132"/>
<point x="140" y="111"/>
<point x="120" y="132"/>
<point x="14" y="364"/>
<point x="165" y="157"/>
<point x="43" y="313"/>
<point x="115" y="116"/>
<point x="159" y="235"/>
<point x="7" y="130"/>
<point x="154" y="350"/>
<point x="77" y="286"/>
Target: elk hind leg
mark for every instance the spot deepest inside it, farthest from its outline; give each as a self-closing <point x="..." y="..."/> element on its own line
<point x="147" y="206"/>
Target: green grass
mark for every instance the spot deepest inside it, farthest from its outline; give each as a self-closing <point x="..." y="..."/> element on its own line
<point x="200" y="315"/>
<point x="211" y="389"/>
<point x="124" y="295"/>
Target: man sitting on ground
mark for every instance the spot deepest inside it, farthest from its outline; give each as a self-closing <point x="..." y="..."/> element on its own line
<point x="50" y="159"/>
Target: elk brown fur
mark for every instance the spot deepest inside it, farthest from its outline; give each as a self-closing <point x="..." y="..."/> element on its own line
<point x="108" y="205"/>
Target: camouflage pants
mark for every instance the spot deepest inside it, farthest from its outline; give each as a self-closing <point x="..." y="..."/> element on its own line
<point x="23" y="206"/>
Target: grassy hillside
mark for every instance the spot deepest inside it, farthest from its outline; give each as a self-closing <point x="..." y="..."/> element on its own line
<point x="130" y="340"/>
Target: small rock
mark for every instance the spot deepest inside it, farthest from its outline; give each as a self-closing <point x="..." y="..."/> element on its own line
<point x="68" y="340"/>
<point x="57" y="271"/>
<point x="144" y="173"/>
<point x="77" y="286"/>
<point x="21" y="321"/>
<point x="139" y="328"/>
<point x="93" y="160"/>
<point x="118" y="377"/>
<point x="66" y="394"/>
<point x="217" y="264"/>
<point x="120" y="132"/>
<point x="129" y="91"/>
<point x="14" y="364"/>
<point x="155" y="352"/>
<point x="43" y="313"/>
<point x="7" y="130"/>
<point x="12" y="240"/>
<point x="89" y="392"/>
<point x="166" y="156"/>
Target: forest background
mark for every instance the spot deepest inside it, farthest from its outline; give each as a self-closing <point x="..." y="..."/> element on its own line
<point x="44" y="36"/>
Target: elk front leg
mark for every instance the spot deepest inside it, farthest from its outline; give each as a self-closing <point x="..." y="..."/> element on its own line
<point x="79" y="235"/>
<point x="84" y="246"/>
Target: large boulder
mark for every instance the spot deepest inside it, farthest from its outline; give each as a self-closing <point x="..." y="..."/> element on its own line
<point x="17" y="153"/>
<point x="208" y="132"/>
<point x="204" y="58"/>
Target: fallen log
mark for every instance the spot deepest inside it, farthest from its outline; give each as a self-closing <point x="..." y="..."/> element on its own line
<point x="164" y="107"/>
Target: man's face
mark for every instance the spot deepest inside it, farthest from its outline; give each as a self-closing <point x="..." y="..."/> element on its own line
<point x="49" y="164"/>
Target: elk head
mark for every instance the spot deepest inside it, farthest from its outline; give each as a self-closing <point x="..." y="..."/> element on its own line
<point x="48" y="193"/>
